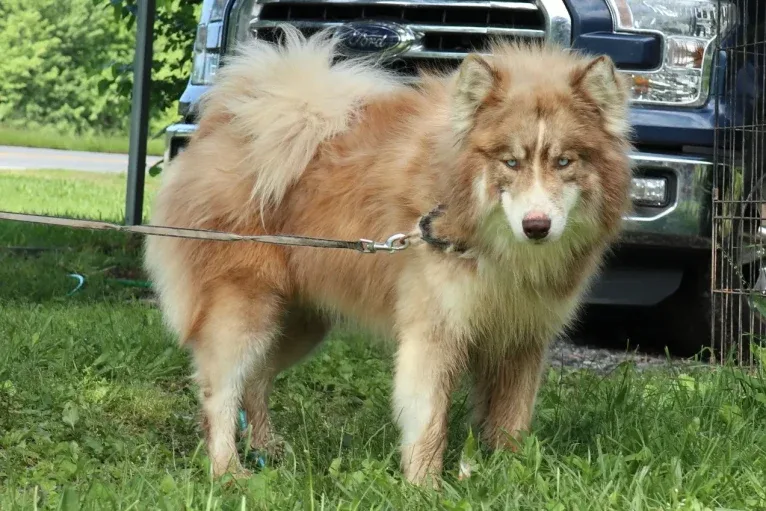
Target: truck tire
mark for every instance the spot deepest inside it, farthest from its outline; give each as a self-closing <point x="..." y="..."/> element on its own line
<point x="692" y="323"/>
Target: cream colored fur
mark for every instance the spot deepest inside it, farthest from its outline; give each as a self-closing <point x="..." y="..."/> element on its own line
<point x="287" y="100"/>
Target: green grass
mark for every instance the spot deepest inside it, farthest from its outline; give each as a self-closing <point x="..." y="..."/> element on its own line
<point x="69" y="193"/>
<point x="97" y="411"/>
<point x="54" y="140"/>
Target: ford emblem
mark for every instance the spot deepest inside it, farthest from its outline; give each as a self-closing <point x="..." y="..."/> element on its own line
<point x="367" y="37"/>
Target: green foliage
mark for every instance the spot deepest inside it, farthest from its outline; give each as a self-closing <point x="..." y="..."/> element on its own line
<point x="67" y="66"/>
<point x="54" y="56"/>
<point x="94" y="195"/>
<point x="174" y="30"/>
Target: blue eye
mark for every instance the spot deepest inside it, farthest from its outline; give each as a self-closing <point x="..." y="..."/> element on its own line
<point x="512" y="163"/>
<point x="564" y="162"/>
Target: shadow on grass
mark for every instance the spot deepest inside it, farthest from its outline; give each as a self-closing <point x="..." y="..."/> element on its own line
<point x="36" y="262"/>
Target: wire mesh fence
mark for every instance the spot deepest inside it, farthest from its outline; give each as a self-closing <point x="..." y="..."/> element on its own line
<point x="739" y="195"/>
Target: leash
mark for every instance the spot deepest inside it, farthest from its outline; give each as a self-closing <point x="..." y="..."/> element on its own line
<point x="395" y="243"/>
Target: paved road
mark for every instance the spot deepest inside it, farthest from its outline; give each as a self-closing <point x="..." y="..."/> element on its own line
<point x="20" y="158"/>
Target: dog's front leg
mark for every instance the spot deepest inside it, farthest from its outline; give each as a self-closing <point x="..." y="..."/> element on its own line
<point x="426" y="369"/>
<point x="505" y="390"/>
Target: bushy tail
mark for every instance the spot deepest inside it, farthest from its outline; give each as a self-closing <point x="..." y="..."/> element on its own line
<point x="285" y="100"/>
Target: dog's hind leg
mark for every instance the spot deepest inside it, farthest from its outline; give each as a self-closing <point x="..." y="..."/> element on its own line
<point x="427" y="368"/>
<point x="505" y="389"/>
<point x="235" y="337"/>
<point x="303" y="331"/>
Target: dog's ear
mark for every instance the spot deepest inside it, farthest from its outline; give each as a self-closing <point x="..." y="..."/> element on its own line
<point x="474" y="81"/>
<point x="600" y="83"/>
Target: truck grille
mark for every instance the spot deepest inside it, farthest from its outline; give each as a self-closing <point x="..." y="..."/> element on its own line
<point x="447" y="30"/>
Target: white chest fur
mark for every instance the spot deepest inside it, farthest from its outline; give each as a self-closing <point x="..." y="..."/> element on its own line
<point x="486" y="301"/>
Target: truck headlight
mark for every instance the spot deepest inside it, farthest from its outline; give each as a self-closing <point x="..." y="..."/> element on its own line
<point x="206" y="53"/>
<point x="647" y="191"/>
<point x="689" y="29"/>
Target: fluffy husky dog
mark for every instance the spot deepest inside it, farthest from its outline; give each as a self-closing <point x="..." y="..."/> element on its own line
<point x="523" y="152"/>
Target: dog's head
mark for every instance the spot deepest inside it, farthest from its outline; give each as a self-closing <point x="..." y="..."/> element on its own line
<point x="543" y="133"/>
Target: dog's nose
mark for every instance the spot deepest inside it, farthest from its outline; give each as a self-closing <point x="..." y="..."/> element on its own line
<point x="536" y="225"/>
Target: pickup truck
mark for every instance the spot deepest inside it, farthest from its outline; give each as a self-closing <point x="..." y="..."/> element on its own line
<point x="655" y="290"/>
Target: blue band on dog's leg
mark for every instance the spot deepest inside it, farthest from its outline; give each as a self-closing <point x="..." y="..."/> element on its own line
<point x="259" y="460"/>
<point x="242" y="420"/>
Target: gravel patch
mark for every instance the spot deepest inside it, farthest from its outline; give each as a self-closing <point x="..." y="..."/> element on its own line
<point x="565" y="354"/>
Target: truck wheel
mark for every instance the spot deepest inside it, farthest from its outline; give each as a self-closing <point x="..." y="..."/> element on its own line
<point x="682" y="322"/>
<point x="679" y="324"/>
<point x="692" y="322"/>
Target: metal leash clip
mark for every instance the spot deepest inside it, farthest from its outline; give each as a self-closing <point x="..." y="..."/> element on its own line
<point x="395" y="243"/>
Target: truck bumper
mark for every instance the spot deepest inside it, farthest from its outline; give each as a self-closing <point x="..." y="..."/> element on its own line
<point x="685" y="218"/>
<point x="648" y="263"/>
<point x="660" y="245"/>
<point x="176" y="138"/>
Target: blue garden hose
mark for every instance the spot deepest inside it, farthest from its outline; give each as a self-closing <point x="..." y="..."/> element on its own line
<point x="80" y="282"/>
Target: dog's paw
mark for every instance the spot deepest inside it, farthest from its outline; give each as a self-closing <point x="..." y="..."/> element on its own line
<point x="234" y="477"/>
<point x="465" y="469"/>
<point x="241" y="473"/>
<point x="275" y="448"/>
<point x="268" y="452"/>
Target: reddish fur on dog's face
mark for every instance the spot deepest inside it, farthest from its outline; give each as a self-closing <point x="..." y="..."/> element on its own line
<point x="546" y="153"/>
